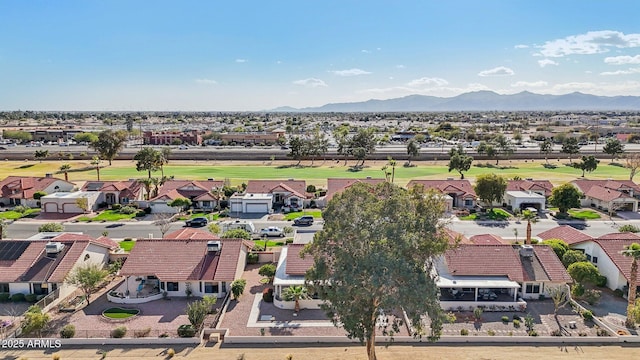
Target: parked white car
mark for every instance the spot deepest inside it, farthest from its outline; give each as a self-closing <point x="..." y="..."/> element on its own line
<point x="272" y="231"/>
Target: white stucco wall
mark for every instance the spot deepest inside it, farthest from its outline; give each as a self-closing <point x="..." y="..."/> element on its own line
<point x="615" y="279"/>
<point x="15" y="288"/>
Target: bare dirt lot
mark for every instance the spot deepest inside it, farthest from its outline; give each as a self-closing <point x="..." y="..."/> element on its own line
<point x="396" y="352"/>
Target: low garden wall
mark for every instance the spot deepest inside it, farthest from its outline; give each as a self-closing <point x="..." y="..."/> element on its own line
<point x="443" y="340"/>
<point x="127" y="341"/>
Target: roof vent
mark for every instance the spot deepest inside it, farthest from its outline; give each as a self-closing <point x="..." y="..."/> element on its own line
<point x="368" y="177"/>
<point x="210" y="179"/>
<point x="214" y="246"/>
<point x="48" y="175"/>
<point x="53" y="248"/>
<point x="530" y="179"/>
<point x="526" y="251"/>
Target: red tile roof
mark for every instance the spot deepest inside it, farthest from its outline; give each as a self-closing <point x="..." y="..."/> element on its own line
<point x="456" y="237"/>
<point x="267" y="186"/>
<point x="543" y="186"/>
<point x="191" y="233"/>
<point x="72" y="256"/>
<point x="102" y="240"/>
<point x="613" y="248"/>
<point x="584" y="185"/>
<point x="604" y="194"/>
<point x="297" y="265"/>
<point x="461" y="187"/>
<point x="486" y="239"/>
<point x="183" y="260"/>
<point x="338" y="185"/>
<point x="620" y="236"/>
<point x="23" y="187"/>
<point x="129" y="188"/>
<point x="565" y="233"/>
<point x="188" y="188"/>
<point x="505" y="260"/>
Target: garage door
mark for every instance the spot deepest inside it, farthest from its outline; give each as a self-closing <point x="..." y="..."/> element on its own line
<point x="51" y="207"/>
<point x="257" y="208"/>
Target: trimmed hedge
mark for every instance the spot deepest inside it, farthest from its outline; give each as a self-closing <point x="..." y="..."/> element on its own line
<point x="18" y="297"/>
<point x="186" y="331"/>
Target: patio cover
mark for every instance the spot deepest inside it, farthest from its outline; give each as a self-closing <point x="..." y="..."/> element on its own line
<point x="477" y="282"/>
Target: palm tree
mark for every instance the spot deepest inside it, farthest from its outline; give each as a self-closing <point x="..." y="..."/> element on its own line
<point x="633" y="251"/>
<point x="164" y="159"/>
<point x="530" y="217"/>
<point x="65" y="169"/>
<point x="295" y="293"/>
<point x="95" y="161"/>
<point x="146" y="182"/>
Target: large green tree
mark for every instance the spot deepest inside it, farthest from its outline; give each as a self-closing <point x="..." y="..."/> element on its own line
<point x="558" y="246"/>
<point x="413" y="149"/>
<point x="379" y="244"/>
<point x="298" y="148"/>
<point x="87" y="278"/>
<point x="362" y="144"/>
<point x="109" y="143"/>
<point x="570" y="147"/>
<point x="614" y="148"/>
<point x="584" y="272"/>
<point x="148" y="159"/>
<point x="295" y="293"/>
<point x="490" y="188"/>
<point x="459" y="160"/>
<point x="565" y="197"/>
<point x="632" y="251"/>
<point x="546" y="147"/>
<point x="588" y="164"/>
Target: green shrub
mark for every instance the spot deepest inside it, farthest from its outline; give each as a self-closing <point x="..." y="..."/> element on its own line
<point x="128" y="210"/>
<point x="171" y="353"/>
<point x="464" y="332"/>
<point x="31" y="298"/>
<point x="4" y="297"/>
<point x="116" y="207"/>
<point x="516" y="323"/>
<point x="616" y="292"/>
<point x="491" y="333"/>
<point x="68" y="331"/>
<point x="577" y="290"/>
<point x="628" y="228"/>
<point x="532" y="333"/>
<point x="147" y="210"/>
<point x="505" y="319"/>
<point x="19" y="297"/>
<point x="516" y="317"/>
<point x="186" y="331"/>
<point x="119" y="332"/>
<point x="450" y="317"/>
<point x="587" y="315"/>
<point x="289" y="241"/>
<point x="267" y="295"/>
<point x="601" y="281"/>
<point x="252" y="258"/>
<point x="592" y="296"/>
<point x="141" y="213"/>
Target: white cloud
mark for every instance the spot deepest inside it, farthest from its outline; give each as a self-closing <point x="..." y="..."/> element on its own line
<point x="529" y="84"/>
<point x="206" y="81"/>
<point x="350" y="72"/>
<point x="427" y="81"/>
<point x="366" y="51"/>
<point x="545" y="62"/>
<point x="622" y="72"/>
<point x="622" y="60"/>
<point x="592" y="42"/>
<point x="240" y="61"/>
<point x="400" y="66"/>
<point x="521" y="46"/>
<point x="499" y="71"/>
<point x="311" y="82"/>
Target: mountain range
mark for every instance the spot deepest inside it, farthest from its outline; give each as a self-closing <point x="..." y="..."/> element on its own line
<point x="483" y="101"/>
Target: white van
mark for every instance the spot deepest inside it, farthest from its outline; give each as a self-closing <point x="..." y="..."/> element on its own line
<point x="238" y="224"/>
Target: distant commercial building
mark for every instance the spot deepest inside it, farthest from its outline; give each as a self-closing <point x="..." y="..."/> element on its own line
<point x="265" y="137"/>
<point x="170" y="137"/>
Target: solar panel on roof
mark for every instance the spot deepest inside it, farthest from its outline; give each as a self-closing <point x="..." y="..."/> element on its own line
<point x="11" y="250"/>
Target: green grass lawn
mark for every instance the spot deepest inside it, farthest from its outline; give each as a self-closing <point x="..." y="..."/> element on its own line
<point x="496" y="214"/>
<point x="108" y="215"/>
<point x="13" y="215"/>
<point x="120" y="313"/>
<point x="316" y="213"/>
<point x="127" y="245"/>
<point x="270" y="243"/>
<point x="584" y="214"/>
<point x="318" y="174"/>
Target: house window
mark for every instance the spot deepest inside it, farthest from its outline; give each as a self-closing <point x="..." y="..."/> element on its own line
<point x="4" y="287"/>
<point x="588" y="257"/>
<point x="224" y="286"/>
<point x="211" y="288"/>
<point x="594" y="259"/>
<point x="468" y="202"/>
<point x="172" y="286"/>
<point x="206" y="204"/>
<point x="124" y="200"/>
<point x="533" y="289"/>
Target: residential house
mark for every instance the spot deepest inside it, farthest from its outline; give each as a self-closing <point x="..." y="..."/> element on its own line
<point x="289" y="194"/>
<point x="290" y="271"/>
<point x="524" y="199"/>
<point x="566" y="233"/>
<point x="189" y="233"/>
<point x="251" y="203"/>
<point x="542" y="187"/>
<point x="486" y="239"/>
<point x="461" y="192"/>
<point x="609" y="195"/>
<point x="338" y="185"/>
<point x="116" y="192"/>
<point x="202" y="193"/>
<point x="180" y="267"/>
<point x="68" y="202"/>
<point x="19" y="190"/>
<point x="40" y="266"/>
<point x="470" y="275"/>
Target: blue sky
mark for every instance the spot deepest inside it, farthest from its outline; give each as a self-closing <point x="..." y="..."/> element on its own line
<point x="257" y="55"/>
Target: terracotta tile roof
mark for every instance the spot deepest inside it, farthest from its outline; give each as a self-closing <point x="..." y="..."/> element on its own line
<point x="73" y="254"/>
<point x="23" y="187"/>
<point x="461" y="187"/>
<point x="620" y="236"/>
<point x="206" y="197"/>
<point x="543" y="186"/>
<point x="505" y="260"/>
<point x="12" y="270"/>
<point x="188" y="233"/>
<point x="604" y="194"/>
<point x="108" y="242"/>
<point x="266" y="186"/>
<point x="613" y="248"/>
<point x="183" y="260"/>
<point x="584" y="185"/>
<point x="486" y="239"/>
<point x="551" y="264"/>
<point x="129" y="187"/>
<point x="456" y="237"/>
<point x="565" y="233"/>
<point x="338" y="185"/>
<point x="188" y="188"/>
<point x="297" y="265"/>
<point x="102" y="240"/>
